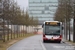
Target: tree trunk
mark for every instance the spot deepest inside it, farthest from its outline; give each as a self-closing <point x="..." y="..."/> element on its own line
<point x="74" y="30"/>
<point x="69" y="29"/>
<point x="74" y="24"/>
<point x="26" y="29"/>
<point x="8" y="31"/>
<point x="32" y="30"/>
<point x="11" y="31"/>
<point x="64" y="30"/>
<point x="23" y="30"/>
<point x="17" y="31"/>
<point x="3" y="31"/>
<point x="14" y="31"/>
<point x="61" y="30"/>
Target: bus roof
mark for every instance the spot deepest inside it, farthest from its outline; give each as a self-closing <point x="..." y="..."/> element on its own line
<point x="52" y="21"/>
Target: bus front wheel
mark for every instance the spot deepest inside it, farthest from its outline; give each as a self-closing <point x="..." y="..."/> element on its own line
<point x="59" y="41"/>
<point x="43" y="41"/>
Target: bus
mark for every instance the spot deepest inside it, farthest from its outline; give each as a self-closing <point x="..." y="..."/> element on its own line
<point x="52" y="31"/>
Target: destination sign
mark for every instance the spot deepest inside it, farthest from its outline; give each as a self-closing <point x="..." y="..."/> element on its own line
<point x="52" y="23"/>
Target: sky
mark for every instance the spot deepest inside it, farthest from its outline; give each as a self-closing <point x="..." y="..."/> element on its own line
<point x="22" y="4"/>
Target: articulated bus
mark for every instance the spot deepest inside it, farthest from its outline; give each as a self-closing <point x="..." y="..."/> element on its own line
<point x="52" y="31"/>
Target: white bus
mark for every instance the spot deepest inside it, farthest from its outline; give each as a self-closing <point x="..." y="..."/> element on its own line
<point x="52" y="31"/>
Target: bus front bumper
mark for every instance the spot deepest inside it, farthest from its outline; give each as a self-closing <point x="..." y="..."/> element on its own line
<point x="51" y="39"/>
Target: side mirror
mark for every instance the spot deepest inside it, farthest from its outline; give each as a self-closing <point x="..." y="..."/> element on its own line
<point x="62" y="28"/>
<point x="42" y="25"/>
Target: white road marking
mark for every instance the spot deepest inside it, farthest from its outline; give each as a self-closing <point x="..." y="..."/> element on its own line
<point x="43" y="46"/>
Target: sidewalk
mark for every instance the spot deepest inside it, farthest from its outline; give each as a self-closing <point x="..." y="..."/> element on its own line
<point x="68" y="42"/>
<point x="30" y="43"/>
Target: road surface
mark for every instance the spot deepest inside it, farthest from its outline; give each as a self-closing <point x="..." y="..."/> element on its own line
<point x="58" y="46"/>
<point x="35" y="43"/>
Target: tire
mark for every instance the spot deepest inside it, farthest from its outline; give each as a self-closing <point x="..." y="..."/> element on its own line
<point x="43" y="41"/>
<point x="59" y="41"/>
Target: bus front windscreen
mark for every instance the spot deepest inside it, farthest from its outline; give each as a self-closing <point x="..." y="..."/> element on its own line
<point x="52" y="30"/>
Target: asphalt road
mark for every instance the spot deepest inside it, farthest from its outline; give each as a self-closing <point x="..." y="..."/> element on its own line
<point x="58" y="46"/>
<point x="30" y="43"/>
<point x="35" y="43"/>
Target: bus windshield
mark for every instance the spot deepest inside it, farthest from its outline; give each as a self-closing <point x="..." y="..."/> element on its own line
<point x="52" y="30"/>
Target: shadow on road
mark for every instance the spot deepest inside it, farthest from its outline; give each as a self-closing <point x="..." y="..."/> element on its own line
<point x="56" y="42"/>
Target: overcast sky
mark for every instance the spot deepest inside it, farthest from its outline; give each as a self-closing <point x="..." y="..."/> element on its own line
<point x="22" y="3"/>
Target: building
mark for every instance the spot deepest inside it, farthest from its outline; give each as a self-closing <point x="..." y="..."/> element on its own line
<point x="0" y="7"/>
<point x="42" y="9"/>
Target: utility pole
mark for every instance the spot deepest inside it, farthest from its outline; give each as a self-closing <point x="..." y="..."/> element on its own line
<point x="74" y="23"/>
<point x="66" y="20"/>
<point x="61" y="4"/>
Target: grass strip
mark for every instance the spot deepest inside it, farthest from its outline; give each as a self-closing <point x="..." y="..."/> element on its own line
<point x="6" y="44"/>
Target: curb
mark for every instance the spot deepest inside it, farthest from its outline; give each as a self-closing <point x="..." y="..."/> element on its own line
<point x="43" y="46"/>
<point x="66" y="42"/>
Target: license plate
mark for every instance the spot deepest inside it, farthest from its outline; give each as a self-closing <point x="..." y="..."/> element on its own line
<point x="52" y="39"/>
<point x="48" y="39"/>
